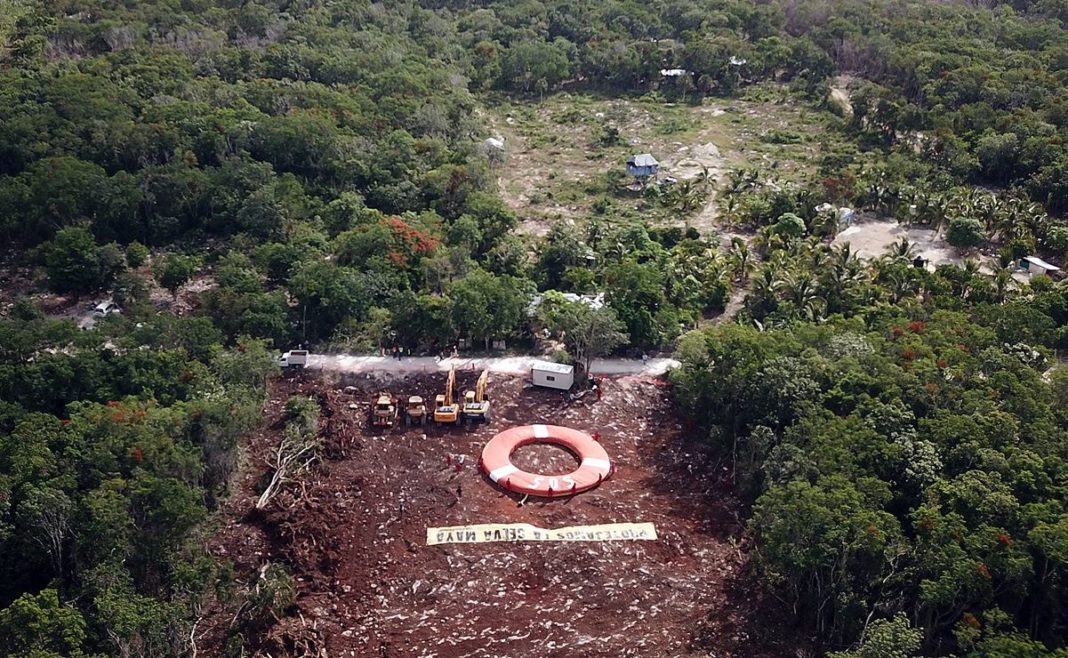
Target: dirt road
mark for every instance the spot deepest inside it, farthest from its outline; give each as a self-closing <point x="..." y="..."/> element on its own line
<point x="515" y="365"/>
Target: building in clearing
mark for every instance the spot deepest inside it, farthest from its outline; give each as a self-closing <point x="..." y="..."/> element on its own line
<point x="642" y="165"/>
<point x="552" y="375"/>
<point x="1035" y="265"/>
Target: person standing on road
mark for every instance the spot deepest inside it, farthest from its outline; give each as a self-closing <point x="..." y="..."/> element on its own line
<point x="645" y="359"/>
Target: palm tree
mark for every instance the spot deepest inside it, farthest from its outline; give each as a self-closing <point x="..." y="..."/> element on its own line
<point x="825" y="223"/>
<point x="816" y="253"/>
<point x="987" y="208"/>
<point x="802" y="291"/>
<point x="971" y="267"/>
<point x="595" y="230"/>
<point x="843" y="274"/>
<point x="687" y="195"/>
<point x="932" y="209"/>
<point x="727" y="207"/>
<point x="902" y="284"/>
<point x="741" y="259"/>
<point x="740" y="180"/>
<point x="902" y="249"/>
<point x="806" y="203"/>
<point x="767" y="241"/>
<point x="766" y="288"/>
<point x="736" y="182"/>
<point x="1003" y="284"/>
<point x="844" y="256"/>
<point x="1033" y="217"/>
<point x="968" y="271"/>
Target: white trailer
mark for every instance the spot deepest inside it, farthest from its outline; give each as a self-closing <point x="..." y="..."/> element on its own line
<point x="552" y="375"/>
<point x="294" y="359"/>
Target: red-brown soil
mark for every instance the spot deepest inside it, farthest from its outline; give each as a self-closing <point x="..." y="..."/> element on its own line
<point x="354" y="537"/>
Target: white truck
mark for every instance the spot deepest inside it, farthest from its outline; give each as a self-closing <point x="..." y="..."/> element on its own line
<point x="294" y="359"/>
<point x="106" y="308"/>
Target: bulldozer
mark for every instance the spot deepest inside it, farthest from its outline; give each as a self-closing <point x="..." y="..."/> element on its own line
<point x="445" y="409"/>
<point x="415" y="414"/>
<point x="476" y="404"/>
<point x="383" y="410"/>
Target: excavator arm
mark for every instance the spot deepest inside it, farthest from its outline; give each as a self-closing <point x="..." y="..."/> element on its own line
<point x="450" y="383"/>
<point x="445" y="411"/>
<point x="480" y="387"/>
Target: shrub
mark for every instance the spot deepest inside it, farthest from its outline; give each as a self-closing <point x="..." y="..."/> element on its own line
<point x="562" y="356"/>
<point x="965" y="232"/>
<point x="302" y="412"/>
<point x="136" y="254"/>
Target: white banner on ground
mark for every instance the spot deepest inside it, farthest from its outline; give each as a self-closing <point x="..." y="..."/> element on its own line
<point x="490" y="532"/>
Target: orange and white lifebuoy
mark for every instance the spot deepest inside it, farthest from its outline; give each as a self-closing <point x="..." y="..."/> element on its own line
<point x="594" y="465"/>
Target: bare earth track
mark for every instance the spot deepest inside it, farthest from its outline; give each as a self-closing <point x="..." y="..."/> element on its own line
<point x="368" y="586"/>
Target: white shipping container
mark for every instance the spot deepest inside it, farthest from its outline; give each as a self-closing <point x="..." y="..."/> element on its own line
<point x="552" y="375"/>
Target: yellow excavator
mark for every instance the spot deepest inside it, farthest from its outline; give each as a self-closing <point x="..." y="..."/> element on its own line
<point x="445" y="410"/>
<point x="476" y="404"/>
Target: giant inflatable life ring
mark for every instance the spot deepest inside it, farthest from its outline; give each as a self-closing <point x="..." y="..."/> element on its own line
<point x="594" y="467"/>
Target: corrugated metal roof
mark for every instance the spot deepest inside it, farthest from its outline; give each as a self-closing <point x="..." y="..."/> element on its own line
<point x="1035" y="260"/>
<point x="643" y="160"/>
<point x="593" y="301"/>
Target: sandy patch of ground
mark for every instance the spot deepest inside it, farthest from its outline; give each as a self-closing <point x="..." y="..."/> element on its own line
<point x="692" y="161"/>
<point x="870" y="238"/>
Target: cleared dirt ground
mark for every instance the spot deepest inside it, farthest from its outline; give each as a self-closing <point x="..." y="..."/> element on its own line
<point x="871" y="237"/>
<point x="354" y="536"/>
<point x="556" y="160"/>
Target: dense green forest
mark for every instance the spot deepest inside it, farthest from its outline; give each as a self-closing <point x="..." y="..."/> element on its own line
<point x="899" y="434"/>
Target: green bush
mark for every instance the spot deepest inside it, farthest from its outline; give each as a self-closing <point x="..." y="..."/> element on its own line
<point x="77" y="265"/>
<point x="965" y="232"/>
<point x="782" y="136"/>
<point x="561" y="356"/>
<point x="136" y="254"/>
<point x="789" y="225"/>
<point x="302" y="412"/>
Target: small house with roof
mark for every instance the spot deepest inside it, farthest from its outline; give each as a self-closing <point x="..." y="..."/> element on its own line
<point x="642" y="165"/>
<point x="1035" y="265"/>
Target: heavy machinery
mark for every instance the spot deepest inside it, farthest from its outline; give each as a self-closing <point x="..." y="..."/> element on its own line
<point x="476" y="404"/>
<point x="415" y="414"/>
<point x="383" y="410"/>
<point x="445" y="409"/>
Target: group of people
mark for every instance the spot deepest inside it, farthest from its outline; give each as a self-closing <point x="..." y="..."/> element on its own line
<point x="443" y="355"/>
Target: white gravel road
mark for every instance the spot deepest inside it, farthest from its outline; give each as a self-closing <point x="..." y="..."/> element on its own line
<point x="516" y="365"/>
